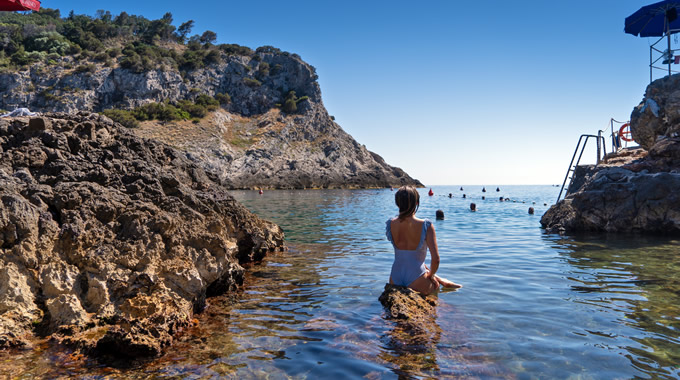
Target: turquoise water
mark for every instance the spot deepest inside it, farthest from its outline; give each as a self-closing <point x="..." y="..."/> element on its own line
<point x="533" y="306"/>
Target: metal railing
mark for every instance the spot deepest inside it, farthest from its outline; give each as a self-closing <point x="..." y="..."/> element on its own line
<point x="572" y="167"/>
<point x="666" y="55"/>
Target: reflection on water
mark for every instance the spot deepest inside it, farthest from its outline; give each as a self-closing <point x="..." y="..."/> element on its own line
<point x="534" y="306"/>
<point x="637" y="282"/>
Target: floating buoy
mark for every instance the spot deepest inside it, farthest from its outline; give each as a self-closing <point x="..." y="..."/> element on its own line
<point x="430" y="193"/>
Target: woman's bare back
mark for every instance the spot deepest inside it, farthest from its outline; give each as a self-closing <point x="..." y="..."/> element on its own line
<point x="407" y="233"/>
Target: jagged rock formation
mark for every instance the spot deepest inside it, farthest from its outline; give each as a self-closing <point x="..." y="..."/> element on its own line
<point x="254" y="145"/>
<point x="111" y="242"/>
<point x="632" y="191"/>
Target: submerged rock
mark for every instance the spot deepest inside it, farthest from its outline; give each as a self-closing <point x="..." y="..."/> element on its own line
<point x="111" y="242"/>
<point x="403" y="303"/>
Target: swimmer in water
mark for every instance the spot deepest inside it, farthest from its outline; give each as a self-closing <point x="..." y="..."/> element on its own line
<point x="473" y="207"/>
<point x="411" y="238"/>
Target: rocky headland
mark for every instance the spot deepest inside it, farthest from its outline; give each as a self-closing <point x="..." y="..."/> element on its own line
<point x="110" y="242"/>
<point x="271" y="129"/>
<point x="634" y="190"/>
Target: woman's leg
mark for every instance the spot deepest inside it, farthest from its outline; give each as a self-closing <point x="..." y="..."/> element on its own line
<point x="424" y="285"/>
<point x="447" y="283"/>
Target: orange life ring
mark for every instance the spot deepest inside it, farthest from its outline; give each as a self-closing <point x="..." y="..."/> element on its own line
<point x="623" y="133"/>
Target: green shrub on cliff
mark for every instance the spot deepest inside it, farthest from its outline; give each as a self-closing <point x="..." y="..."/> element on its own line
<point x="126" y="118"/>
<point x="159" y="111"/>
<point x="181" y="110"/>
<point x="223" y="98"/>
<point x="291" y="101"/>
<point x="235" y="49"/>
<point x="252" y="82"/>
<point x="207" y="101"/>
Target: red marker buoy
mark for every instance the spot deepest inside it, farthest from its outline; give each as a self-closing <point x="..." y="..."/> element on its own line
<point x="430" y="193"/>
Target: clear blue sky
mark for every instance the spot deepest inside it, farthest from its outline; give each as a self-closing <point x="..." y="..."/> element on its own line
<point x="453" y="92"/>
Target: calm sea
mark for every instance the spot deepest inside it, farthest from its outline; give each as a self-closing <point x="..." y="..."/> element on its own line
<point x="533" y="306"/>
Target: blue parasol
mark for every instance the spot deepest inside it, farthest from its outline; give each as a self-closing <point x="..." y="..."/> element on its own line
<point x="654" y="20"/>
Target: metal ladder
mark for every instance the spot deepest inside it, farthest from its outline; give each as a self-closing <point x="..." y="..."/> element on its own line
<point x="572" y="167"/>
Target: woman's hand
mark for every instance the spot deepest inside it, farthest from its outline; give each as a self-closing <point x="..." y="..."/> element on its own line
<point x="432" y="278"/>
<point x="429" y="273"/>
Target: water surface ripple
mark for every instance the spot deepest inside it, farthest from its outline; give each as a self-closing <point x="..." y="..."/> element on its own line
<point x="533" y="306"/>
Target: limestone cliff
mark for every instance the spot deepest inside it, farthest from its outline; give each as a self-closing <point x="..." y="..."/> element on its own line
<point x="632" y="190"/>
<point x="109" y="241"/>
<point x="250" y="142"/>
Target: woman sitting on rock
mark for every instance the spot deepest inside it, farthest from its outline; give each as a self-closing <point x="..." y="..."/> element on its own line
<point x="411" y="237"/>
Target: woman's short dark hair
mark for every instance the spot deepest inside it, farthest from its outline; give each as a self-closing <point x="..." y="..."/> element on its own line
<point x="408" y="200"/>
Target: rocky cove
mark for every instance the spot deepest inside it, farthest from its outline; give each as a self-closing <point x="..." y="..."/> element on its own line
<point x="110" y="242"/>
<point x="112" y="237"/>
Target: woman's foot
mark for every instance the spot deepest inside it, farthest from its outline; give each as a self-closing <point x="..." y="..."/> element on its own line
<point x="447" y="284"/>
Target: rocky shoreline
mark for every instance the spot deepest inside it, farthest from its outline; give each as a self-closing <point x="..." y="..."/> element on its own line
<point x="634" y="190"/>
<point x="110" y="242"/>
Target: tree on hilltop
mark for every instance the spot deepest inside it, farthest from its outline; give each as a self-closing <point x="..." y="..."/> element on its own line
<point x="184" y="30"/>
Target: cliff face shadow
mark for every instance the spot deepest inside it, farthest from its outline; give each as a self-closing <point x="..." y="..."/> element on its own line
<point x="633" y="281"/>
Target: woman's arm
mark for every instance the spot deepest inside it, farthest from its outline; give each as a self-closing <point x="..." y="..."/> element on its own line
<point x="431" y="239"/>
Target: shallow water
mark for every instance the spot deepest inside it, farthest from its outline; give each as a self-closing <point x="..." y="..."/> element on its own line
<point x="533" y="306"/>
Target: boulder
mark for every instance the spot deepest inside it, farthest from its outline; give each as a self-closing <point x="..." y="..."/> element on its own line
<point x="658" y="114"/>
<point x="111" y="242"/>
